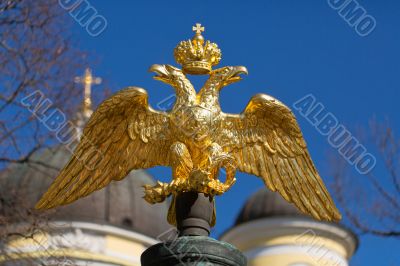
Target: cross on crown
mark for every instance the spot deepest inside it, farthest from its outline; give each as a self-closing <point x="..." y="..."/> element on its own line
<point x="198" y="28"/>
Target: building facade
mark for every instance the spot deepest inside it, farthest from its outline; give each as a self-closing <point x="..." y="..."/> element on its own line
<point x="110" y="227"/>
<point x="271" y="231"/>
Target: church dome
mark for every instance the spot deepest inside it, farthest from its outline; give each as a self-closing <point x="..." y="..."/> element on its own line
<point x="266" y="204"/>
<point x="119" y="204"/>
<point x="271" y="231"/>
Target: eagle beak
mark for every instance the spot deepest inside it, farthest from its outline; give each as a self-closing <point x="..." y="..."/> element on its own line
<point x="235" y="75"/>
<point x="239" y="70"/>
<point x="162" y="73"/>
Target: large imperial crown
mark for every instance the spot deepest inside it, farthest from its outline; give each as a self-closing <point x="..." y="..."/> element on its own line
<point x="196" y="57"/>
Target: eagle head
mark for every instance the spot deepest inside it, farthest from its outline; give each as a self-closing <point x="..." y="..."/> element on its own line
<point x="227" y="75"/>
<point x="167" y="74"/>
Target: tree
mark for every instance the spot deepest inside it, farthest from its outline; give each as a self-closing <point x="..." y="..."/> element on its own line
<point x="36" y="54"/>
<point x="371" y="201"/>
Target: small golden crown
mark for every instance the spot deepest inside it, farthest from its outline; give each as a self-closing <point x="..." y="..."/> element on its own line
<point x="196" y="57"/>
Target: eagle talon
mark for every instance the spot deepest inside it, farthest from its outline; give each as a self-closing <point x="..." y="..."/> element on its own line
<point x="216" y="187"/>
<point x="178" y="185"/>
<point x="157" y="193"/>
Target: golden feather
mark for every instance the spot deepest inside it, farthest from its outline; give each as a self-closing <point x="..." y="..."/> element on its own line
<point x="266" y="141"/>
<point x="124" y="133"/>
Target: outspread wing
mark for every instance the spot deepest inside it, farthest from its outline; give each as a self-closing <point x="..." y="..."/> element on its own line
<point x="124" y="133"/>
<point x="267" y="142"/>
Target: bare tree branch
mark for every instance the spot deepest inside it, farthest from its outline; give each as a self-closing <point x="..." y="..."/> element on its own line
<point x="36" y="54"/>
<point x="371" y="204"/>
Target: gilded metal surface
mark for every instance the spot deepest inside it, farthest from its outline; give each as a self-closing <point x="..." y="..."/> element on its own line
<point x="196" y="139"/>
<point x="87" y="80"/>
<point x="196" y="57"/>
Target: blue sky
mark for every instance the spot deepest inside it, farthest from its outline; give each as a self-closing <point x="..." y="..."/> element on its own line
<point x="291" y="49"/>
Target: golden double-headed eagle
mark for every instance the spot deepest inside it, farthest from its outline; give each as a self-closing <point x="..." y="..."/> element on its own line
<point x="196" y="139"/>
